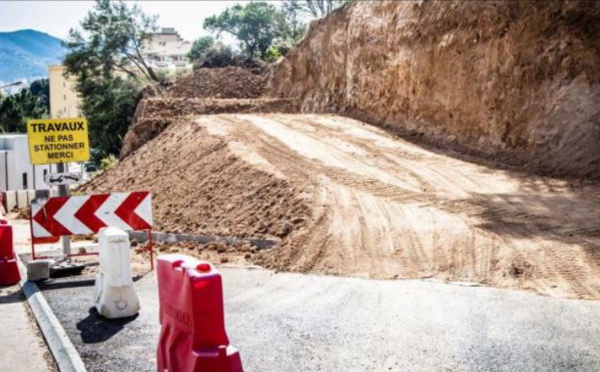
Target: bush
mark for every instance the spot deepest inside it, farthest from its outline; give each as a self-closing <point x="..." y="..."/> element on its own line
<point x="108" y="162"/>
<point x="218" y="55"/>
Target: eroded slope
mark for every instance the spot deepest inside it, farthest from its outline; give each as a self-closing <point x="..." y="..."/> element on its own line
<point x="515" y="81"/>
<point x="349" y="199"/>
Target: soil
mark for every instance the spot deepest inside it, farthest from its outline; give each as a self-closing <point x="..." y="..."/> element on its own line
<point x="512" y="81"/>
<point x="20" y="213"/>
<point x="350" y="199"/>
<point x="228" y="82"/>
<point x="205" y="91"/>
<point x="153" y="115"/>
<point x="218" y="253"/>
<point x="201" y="187"/>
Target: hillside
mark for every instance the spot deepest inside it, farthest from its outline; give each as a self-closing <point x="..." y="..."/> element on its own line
<point x="514" y="82"/>
<point x="479" y="105"/>
<point x="349" y="199"/>
<point x="27" y="54"/>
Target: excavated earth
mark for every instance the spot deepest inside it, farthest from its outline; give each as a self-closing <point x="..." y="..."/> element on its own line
<point x="347" y="198"/>
<point x="227" y="82"/>
<point x="503" y="94"/>
<point x="512" y="81"/>
<point x="205" y="91"/>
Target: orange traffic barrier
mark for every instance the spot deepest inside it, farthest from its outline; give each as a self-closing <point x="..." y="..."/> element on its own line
<point x="9" y="270"/>
<point x="193" y="336"/>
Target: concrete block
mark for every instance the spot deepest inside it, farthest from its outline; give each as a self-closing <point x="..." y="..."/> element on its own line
<point x="22" y="200"/>
<point x="10" y="200"/>
<point x="38" y="270"/>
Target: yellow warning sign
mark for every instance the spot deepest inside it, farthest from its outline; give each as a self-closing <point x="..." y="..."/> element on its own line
<point x="58" y="140"/>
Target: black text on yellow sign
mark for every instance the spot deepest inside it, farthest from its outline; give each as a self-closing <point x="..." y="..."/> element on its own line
<point x="58" y="140"/>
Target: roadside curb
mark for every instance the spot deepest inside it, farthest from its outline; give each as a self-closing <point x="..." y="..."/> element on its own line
<point x="66" y="356"/>
<point x="159" y="237"/>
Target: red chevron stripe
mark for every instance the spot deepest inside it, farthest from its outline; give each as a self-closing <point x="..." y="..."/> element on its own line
<point x="45" y="216"/>
<point x="86" y="214"/>
<point x="126" y="211"/>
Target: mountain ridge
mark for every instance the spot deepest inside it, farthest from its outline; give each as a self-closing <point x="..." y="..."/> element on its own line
<point x="27" y="54"/>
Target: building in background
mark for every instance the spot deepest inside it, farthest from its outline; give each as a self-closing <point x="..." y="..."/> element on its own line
<point x="64" y="100"/>
<point x="166" y="50"/>
<point x="16" y="172"/>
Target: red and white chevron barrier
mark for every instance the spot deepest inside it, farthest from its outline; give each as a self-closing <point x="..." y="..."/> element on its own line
<point x="82" y="215"/>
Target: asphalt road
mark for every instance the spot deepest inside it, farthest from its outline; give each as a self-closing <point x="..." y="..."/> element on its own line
<point x="292" y="322"/>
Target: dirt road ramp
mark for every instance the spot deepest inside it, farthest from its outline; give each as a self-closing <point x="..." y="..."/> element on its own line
<point x="348" y="199"/>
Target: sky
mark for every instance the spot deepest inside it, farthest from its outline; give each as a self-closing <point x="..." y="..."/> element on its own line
<point x="57" y="17"/>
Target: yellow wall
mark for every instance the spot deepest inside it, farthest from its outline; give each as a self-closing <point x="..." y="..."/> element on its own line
<point x="64" y="102"/>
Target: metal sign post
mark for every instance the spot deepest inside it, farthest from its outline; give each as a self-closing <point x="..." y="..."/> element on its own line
<point x="63" y="190"/>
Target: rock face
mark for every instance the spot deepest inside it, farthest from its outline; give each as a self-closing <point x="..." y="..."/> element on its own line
<point x="518" y="82"/>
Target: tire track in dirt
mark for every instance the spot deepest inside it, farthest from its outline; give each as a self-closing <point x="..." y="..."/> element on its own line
<point x="396" y="210"/>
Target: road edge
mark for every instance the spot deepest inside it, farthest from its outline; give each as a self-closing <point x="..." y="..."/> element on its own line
<point x="65" y="355"/>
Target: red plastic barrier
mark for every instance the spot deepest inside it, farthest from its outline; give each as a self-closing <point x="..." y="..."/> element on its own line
<point x="7" y="251"/>
<point x="193" y="337"/>
<point x="9" y="272"/>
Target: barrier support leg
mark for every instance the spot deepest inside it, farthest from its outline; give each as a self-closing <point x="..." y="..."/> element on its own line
<point x="31" y="232"/>
<point x="151" y="248"/>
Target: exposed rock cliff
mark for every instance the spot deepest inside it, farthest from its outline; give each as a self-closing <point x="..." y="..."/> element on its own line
<point x="514" y="81"/>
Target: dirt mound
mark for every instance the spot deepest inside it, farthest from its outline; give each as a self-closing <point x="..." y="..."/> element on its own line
<point x="228" y="82"/>
<point x="219" y="59"/>
<point x="346" y="198"/>
<point x="201" y="187"/>
<point x="240" y="254"/>
<point x="153" y="115"/>
<point x="512" y="81"/>
<point x="206" y="91"/>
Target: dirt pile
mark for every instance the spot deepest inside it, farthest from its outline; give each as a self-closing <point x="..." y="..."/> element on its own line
<point x="228" y="82"/>
<point x="201" y="187"/>
<point x="218" y="253"/>
<point x="346" y="198"/>
<point x="153" y="115"/>
<point x="206" y="91"/>
<point x="512" y="81"/>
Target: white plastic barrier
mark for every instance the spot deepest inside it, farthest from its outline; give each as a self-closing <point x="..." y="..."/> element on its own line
<point x="114" y="294"/>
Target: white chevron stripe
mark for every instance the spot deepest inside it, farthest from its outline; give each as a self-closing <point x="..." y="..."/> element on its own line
<point x="39" y="231"/>
<point x="107" y="211"/>
<point x="66" y="215"/>
<point x="144" y="210"/>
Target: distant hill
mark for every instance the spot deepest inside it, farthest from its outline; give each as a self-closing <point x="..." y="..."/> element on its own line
<point x="27" y="54"/>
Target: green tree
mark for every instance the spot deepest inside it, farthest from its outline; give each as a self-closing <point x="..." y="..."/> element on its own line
<point x="105" y="58"/>
<point x="109" y="105"/>
<point x="256" y="25"/>
<point x="295" y="21"/>
<point x="314" y="8"/>
<point x="16" y="109"/>
<point x="199" y="47"/>
<point x="111" y="39"/>
<point x="41" y="89"/>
